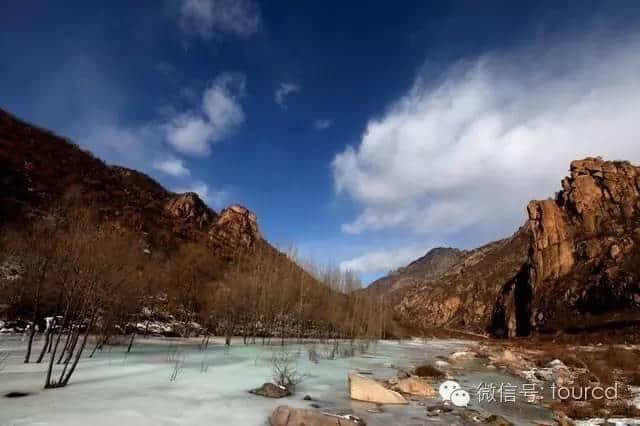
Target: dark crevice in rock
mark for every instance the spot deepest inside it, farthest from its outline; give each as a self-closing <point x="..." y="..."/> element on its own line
<point x="498" y="323"/>
<point x="523" y="296"/>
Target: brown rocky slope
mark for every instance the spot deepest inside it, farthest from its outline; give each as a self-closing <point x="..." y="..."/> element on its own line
<point x="41" y="173"/>
<point x="432" y="264"/>
<point x="575" y="265"/>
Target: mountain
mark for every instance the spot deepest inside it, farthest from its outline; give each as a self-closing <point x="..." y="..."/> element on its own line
<point x="66" y="216"/>
<point x="432" y="264"/>
<point x="41" y="172"/>
<point x="573" y="266"/>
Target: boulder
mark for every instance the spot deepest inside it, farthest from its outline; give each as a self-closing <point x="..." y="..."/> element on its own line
<point x="271" y="390"/>
<point x="289" y="416"/>
<point x="368" y="390"/>
<point x="415" y="386"/>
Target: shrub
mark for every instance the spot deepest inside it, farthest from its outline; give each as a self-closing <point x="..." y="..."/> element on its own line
<point x="428" y="370"/>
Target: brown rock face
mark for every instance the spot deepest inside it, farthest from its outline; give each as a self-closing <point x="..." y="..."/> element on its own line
<point x="190" y="207"/>
<point x="466" y="294"/>
<point x="584" y="247"/>
<point x="574" y="265"/>
<point x="236" y="226"/>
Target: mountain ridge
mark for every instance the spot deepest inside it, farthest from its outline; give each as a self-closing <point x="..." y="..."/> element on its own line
<point x="569" y="267"/>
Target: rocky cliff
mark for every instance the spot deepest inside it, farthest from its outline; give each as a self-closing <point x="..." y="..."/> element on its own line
<point x="584" y="261"/>
<point x="574" y="265"/>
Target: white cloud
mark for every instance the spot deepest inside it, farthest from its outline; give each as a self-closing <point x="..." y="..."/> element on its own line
<point x="172" y="166"/>
<point x="209" y="18"/>
<point x="126" y="146"/>
<point x="472" y="148"/>
<point x="382" y="261"/>
<point x="284" y="90"/>
<point x="220" y="102"/>
<point x="193" y="132"/>
<point x="190" y="134"/>
<point x="322" y="124"/>
<point x="214" y="198"/>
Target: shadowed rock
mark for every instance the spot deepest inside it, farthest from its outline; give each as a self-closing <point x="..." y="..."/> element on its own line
<point x="271" y="390"/>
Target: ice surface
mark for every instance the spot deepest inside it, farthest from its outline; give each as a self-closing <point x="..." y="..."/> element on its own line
<point x="211" y="386"/>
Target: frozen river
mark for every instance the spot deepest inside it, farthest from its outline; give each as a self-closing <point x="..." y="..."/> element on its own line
<point x="209" y="387"/>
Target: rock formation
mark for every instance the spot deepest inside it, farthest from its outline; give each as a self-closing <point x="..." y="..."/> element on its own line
<point x="236" y="226"/>
<point x="368" y="390"/>
<point x="584" y="253"/>
<point x="289" y="416"/>
<point x="572" y="266"/>
<point x="270" y="390"/>
<point x="189" y="206"/>
<point x="415" y="386"/>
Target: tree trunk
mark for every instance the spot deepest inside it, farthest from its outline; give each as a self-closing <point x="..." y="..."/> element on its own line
<point x="36" y="312"/>
<point x="67" y="342"/>
<point x="47" y="340"/>
<point x="97" y="345"/>
<point x="133" y="336"/>
<point x="70" y="350"/>
<point x="79" y="353"/>
<point x="32" y="334"/>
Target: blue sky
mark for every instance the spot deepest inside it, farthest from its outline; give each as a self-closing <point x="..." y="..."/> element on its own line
<point x="362" y="133"/>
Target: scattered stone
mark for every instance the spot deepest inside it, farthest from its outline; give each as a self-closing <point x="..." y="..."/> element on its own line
<point x="375" y="410"/>
<point x="415" y="386"/>
<point x="289" y="416"/>
<point x="544" y="374"/>
<point x="493" y="419"/>
<point x="368" y="390"/>
<point x="471" y="415"/>
<point x="496" y="420"/>
<point x="387" y="365"/>
<point x="438" y="409"/>
<point x="635" y="396"/>
<point x="271" y="390"/>
<point x="462" y="356"/>
<point x="440" y="363"/>
<point x="556" y="363"/>
<point x="307" y="398"/>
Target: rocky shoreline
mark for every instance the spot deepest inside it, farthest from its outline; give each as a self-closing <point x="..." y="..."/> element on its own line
<point x="554" y="367"/>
